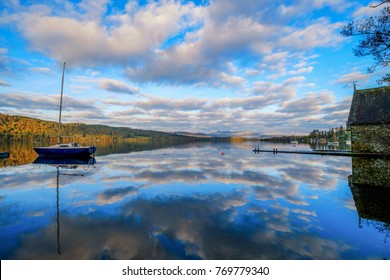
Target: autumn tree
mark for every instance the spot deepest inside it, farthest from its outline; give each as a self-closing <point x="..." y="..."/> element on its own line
<point x="375" y="39"/>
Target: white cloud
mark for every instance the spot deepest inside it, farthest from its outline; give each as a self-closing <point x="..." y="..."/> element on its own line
<point x="294" y="80"/>
<point x="321" y="33"/>
<point x="3" y="58"/>
<point x="4" y="83"/>
<point x="230" y="80"/>
<point x="57" y="37"/>
<point x="93" y="9"/>
<point x="310" y="104"/>
<point x="129" y="35"/>
<point x="353" y="77"/>
<point x="43" y="70"/>
<point x="172" y="42"/>
<point x="302" y="7"/>
<point x="308" y="69"/>
<point x="116" y="102"/>
<point x="369" y="11"/>
<point x="169" y="104"/>
<point x="276" y="57"/>
<point x="206" y="53"/>
<point x="41" y="102"/>
<point x="275" y="93"/>
<point x="118" y="87"/>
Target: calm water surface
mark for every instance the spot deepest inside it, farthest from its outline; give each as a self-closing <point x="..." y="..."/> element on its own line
<point x="191" y="202"/>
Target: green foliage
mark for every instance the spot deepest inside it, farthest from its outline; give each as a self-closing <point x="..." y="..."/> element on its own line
<point x="287" y="139"/>
<point x="333" y="134"/>
<point x="339" y="134"/>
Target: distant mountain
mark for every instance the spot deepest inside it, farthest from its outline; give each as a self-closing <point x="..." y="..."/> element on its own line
<point x="190" y="134"/>
<point x="226" y="134"/>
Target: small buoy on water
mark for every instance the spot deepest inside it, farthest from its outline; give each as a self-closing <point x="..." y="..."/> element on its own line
<point x="222" y="153"/>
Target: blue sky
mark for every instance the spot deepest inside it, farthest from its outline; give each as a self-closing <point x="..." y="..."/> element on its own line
<point x="257" y="66"/>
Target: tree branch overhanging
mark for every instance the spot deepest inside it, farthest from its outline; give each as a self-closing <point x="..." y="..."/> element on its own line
<point x="375" y="39"/>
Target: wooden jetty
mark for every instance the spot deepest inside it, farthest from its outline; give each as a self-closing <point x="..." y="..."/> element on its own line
<point x="322" y="153"/>
<point x="4" y="154"/>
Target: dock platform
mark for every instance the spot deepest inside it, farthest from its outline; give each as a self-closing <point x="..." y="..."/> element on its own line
<point x="322" y="153"/>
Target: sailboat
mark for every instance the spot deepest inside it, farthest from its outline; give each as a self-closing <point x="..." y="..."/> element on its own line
<point x="334" y="142"/>
<point x="64" y="149"/>
<point x="294" y="142"/>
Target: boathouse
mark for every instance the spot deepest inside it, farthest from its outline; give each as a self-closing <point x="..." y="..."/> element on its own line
<point x="369" y="120"/>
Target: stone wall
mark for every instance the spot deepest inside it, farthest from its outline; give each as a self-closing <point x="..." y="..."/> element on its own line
<point x="371" y="172"/>
<point x="371" y="138"/>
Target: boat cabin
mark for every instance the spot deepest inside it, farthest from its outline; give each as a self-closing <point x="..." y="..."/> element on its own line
<point x="68" y="145"/>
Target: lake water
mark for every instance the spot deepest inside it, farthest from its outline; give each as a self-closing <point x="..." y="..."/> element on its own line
<point x="197" y="201"/>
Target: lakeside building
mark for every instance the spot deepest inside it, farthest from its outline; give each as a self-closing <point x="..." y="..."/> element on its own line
<point x="369" y="120"/>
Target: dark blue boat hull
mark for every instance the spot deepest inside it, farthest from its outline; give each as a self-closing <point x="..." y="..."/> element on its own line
<point x="4" y="154"/>
<point x="81" y="160"/>
<point x="65" y="152"/>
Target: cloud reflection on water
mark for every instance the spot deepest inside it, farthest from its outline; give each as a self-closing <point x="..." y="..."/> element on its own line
<point x="191" y="203"/>
<point x="182" y="227"/>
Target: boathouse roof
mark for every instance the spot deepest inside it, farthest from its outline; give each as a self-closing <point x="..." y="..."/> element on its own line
<point x="370" y="106"/>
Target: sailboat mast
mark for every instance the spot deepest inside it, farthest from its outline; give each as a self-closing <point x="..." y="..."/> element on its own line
<point x="58" y="212"/>
<point x="62" y="91"/>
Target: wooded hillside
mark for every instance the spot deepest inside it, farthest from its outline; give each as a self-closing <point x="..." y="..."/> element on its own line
<point x="17" y="127"/>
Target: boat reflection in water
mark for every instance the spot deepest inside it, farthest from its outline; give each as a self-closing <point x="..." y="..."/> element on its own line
<point x="64" y="164"/>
